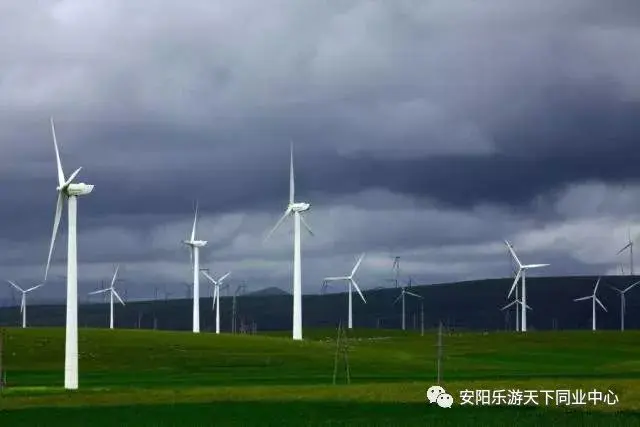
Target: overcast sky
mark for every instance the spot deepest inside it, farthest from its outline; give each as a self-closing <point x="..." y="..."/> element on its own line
<point x="429" y="130"/>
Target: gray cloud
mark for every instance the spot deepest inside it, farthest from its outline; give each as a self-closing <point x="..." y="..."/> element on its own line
<point x="430" y="130"/>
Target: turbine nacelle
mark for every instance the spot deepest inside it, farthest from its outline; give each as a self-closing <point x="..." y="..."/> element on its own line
<point x="79" y="189"/>
<point x="299" y="207"/>
<point x="195" y="243"/>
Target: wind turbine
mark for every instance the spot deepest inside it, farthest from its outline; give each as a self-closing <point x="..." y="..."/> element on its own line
<point x="23" y="302"/>
<point x="522" y="272"/>
<point x="112" y="291"/>
<point x="70" y="191"/>
<point x="629" y="246"/>
<point x="352" y="284"/>
<point x="402" y="295"/>
<point x="195" y="246"/>
<point x="595" y="300"/>
<point x="216" y="295"/>
<point x="518" y="304"/>
<point x="296" y="209"/>
<point x="623" y="302"/>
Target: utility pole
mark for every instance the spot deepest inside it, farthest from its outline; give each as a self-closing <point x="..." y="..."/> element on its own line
<point x="342" y="350"/>
<point x="439" y="353"/>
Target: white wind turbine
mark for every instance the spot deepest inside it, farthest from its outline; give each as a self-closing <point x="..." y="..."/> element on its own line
<point x="623" y="302"/>
<point x="522" y="272"/>
<point x="216" y="295"/>
<point x="70" y="191"/>
<point x="195" y="246"/>
<point x="402" y="296"/>
<point x="296" y="209"/>
<point x="595" y="300"/>
<point x="628" y="246"/>
<point x="352" y="284"/>
<point x="112" y="291"/>
<point x="23" y="301"/>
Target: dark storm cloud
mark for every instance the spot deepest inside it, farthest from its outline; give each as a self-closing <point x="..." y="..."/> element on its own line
<point x="432" y="129"/>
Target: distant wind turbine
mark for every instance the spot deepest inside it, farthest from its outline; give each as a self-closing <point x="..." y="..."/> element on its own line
<point x="352" y="284"/>
<point x="522" y="271"/>
<point x="23" y="300"/>
<point x="296" y="209"/>
<point x="216" y="295"/>
<point x="518" y="304"/>
<point x="595" y="300"/>
<point x="623" y="301"/>
<point x="402" y="295"/>
<point x="67" y="189"/>
<point x="195" y="246"/>
<point x="112" y="292"/>
<point x="628" y="246"/>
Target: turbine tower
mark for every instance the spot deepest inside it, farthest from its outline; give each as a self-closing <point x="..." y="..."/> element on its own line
<point x="522" y="272"/>
<point x="23" y="301"/>
<point x="296" y="209"/>
<point x="352" y="284"/>
<point x="70" y="191"/>
<point x="595" y="300"/>
<point x="623" y="302"/>
<point x="195" y="246"/>
<point x="112" y="291"/>
<point x="216" y="295"/>
<point x="402" y="295"/>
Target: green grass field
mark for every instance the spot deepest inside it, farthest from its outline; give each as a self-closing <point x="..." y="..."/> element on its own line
<point x="159" y="378"/>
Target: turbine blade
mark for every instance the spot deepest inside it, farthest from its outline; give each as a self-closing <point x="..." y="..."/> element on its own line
<point x="56" y="223"/>
<point x="334" y="279"/>
<point x="413" y="295"/>
<point x="509" y="305"/>
<point x="600" y="304"/>
<point x="398" y="299"/>
<point x="596" y="288"/>
<point x="275" y="227"/>
<point x="12" y="283"/>
<point x="115" y="273"/>
<point x="72" y="177"/>
<point x="215" y="295"/>
<point x="355" y="285"/>
<point x="515" y="282"/>
<point x="211" y="279"/>
<point x="58" y="162"/>
<point x="631" y="286"/>
<point x="535" y="266"/>
<point x="220" y="280"/>
<point x="22" y="303"/>
<point x="195" y="221"/>
<point x="292" y="185"/>
<point x="355" y="268"/>
<point x="34" y="288"/>
<point x="101" y="291"/>
<point x="624" y="248"/>
<point x="115" y="293"/>
<point x="583" y="298"/>
<point x="304" y="222"/>
<point x="513" y="253"/>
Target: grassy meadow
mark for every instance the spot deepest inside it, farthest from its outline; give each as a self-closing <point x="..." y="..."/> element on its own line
<point x="161" y="378"/>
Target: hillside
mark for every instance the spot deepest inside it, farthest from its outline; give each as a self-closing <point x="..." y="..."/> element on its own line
<point x="468" y="305"/>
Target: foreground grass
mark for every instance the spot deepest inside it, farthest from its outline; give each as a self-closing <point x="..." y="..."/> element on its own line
<point x="178" y="378"/>
<point x="309" y="414"/>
